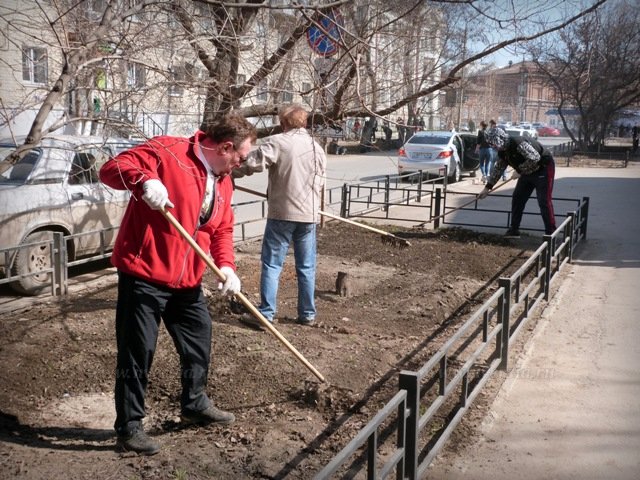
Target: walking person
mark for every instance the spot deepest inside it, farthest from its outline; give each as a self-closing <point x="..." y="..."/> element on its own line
<point x="402" y="131"/>
<point x="494" y="152"/>
<point x="160" y="275"/>
<point x="296" y="165"/>
<point x="534" y="169"/>
<point x="485" y="151"/>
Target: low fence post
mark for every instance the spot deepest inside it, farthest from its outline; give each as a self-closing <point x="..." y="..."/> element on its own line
<point x="437" y="206"/>
<point x="585" y="217"/>
<point x="503" y="316"/>
<point x="548" y="239"/>
<point x="573" y="235"/>
<point x="386" y="195"/>
<point x="59" y="263"/>
<point x="344" y="200"/>
<point x="410" y="382"/>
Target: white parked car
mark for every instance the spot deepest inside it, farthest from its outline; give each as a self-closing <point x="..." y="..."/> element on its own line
<point x="430" y="151"/>
<point x="522" y="132"/>
<point x="55" y="188"/>
<point x="529" y="128"/>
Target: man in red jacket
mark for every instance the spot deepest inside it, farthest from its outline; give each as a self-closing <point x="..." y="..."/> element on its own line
<point x="160" y="275"/>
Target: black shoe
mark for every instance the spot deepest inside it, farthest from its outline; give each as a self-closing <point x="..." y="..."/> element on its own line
<point x="512" y="233"/>
<point x="306" y="321"/>
<point x="207" y="416"/>
<point x="138" y="441"/>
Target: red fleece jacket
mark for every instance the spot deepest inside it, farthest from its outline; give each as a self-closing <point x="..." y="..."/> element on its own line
<point x="148" y="246"/>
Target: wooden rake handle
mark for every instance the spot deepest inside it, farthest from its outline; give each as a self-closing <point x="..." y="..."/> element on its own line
<point x="466" y="204"/>
<point x="245" y="301"/>
<point x="337" y="217"/>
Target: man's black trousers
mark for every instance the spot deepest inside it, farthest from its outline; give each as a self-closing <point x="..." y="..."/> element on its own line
<point x="542" y="182"/>
<point x="141" y="307"/>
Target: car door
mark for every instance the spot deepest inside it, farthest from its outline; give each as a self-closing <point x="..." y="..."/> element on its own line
<point x="93" y="205"/>
<point x="470" y="158"/>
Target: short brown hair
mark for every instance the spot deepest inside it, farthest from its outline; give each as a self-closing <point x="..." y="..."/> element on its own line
<point x="293" y="115"/>
<point x="231" y="127"/>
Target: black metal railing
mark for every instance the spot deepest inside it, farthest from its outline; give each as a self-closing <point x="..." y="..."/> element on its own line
<point x="447" y="384"/>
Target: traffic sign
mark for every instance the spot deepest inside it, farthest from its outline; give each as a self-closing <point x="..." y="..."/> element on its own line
<point x="324" y="39"/>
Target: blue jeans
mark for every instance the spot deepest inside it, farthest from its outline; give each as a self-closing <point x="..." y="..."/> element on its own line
<point x="486" y="161"/>
<point x="278" y="234"/>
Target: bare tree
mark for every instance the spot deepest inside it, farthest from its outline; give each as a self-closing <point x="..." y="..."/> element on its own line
<point x="121" y="64"/>
<point x="595" y="68"/>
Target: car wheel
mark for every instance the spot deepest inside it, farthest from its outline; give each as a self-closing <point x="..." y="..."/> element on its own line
<point x="455" y="175"/>
<point x="33" y="259"/>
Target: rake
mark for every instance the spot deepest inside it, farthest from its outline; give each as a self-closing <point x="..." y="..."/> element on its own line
<point x="466" y="204"/>
<point x="245" y="301"/>
<point x="385" y="237"/>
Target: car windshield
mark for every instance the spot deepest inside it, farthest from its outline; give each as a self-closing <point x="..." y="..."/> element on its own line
<point x="429" y="140"/>
<point x="16" y="174"/>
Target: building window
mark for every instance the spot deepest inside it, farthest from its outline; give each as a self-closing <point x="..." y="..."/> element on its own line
<point x="96" y="9"/>
<point x="287" y="94"/>
<point x="135" y="75"/>
<point x="178" y="77"/>
<point x="141" y="15"/>
<point x="34" y="64"/>
<point x="263" y="91"/>
<point x="307" y="97"/>
<point x="241" y="78"/>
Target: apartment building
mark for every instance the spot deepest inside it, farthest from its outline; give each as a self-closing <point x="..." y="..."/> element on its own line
<point x="519" y="92"/>
<point x="144" y="75"/>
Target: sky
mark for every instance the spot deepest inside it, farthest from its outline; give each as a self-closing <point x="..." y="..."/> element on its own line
<point x="539" y="14"/>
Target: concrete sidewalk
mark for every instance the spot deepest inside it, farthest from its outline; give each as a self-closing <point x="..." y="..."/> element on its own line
<point x="570" y="406"/>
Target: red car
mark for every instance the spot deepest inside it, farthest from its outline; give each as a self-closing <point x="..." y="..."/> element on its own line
<point x="548" y="132"/>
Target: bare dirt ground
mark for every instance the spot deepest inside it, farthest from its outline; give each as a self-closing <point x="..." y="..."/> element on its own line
<point x="58" y="359"/>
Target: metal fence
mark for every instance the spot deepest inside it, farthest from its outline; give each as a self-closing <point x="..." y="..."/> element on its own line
<point x="566" y="154"/>
<point x="442" y="390"/>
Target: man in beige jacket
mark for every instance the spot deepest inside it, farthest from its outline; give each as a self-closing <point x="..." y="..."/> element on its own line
<point x="296" y="165"/>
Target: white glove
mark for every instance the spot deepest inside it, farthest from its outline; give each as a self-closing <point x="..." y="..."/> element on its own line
<point x="231" y="285"/>
<point x="515" y="175"/>
<point x="483" y="194"/>
<point x="156" y="195"/>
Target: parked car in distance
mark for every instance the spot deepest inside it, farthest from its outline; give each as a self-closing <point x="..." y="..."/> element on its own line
<point x="54" y="187"/>
<point x="532" y="132"/>
<point x="547" y="131"/>
<point x="521" y="132"/>
<point x="431" y="151"/>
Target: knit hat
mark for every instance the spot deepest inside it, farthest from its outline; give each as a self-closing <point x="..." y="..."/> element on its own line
<point x="497" y="137"/>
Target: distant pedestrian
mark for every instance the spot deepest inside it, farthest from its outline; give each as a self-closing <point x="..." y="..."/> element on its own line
<point x="356" y="128"/>
<point x="485" y="151"/>
<point x="494" y="152"/>
<point x="387" y="131"/>
<point x="402" y="130"/>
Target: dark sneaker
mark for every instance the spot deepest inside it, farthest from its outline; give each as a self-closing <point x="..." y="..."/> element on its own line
<point x="512" y="233"/>
<point x="251" y="321"/>
<point x="207" y="416"/>
<point x="138" y="441"/>
<point x="306" y="321"/>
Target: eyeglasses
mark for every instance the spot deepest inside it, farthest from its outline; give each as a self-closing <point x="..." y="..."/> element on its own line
<point x="242" y="157"/>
